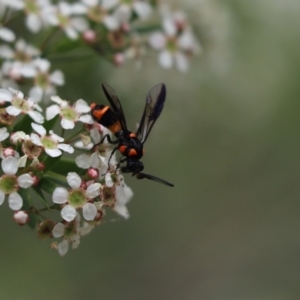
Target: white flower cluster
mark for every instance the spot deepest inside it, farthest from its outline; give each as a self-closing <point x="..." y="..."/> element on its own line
<point x="24" y="158"/>
<point x="119" y="25"/>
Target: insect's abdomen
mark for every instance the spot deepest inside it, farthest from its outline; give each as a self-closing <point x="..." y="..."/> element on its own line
<point x="106" y="117"/>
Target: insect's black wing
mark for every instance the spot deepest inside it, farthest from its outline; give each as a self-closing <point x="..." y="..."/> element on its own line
<point x="154" y="178"/>
<point x="115" y="104"/>
<point x="155" y="101"/>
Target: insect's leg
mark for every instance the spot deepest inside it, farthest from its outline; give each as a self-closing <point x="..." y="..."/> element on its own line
<point x="107" y="136"/>
<point x="111" y="154"/>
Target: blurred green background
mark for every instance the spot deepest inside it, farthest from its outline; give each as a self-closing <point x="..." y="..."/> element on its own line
<point x="228" y="138"/>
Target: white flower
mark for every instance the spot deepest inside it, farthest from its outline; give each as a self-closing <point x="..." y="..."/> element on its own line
<point x="95" y="161"/>
<point x="123" y="195"/>
<point x="69" y="114"/>
<point x="52" y="142"/>
<point x="76" y="198"/>
<point x="3" y="134"/>
<point x="69" y="232"/>
<point x="63" y="16"/>
<point x="176" y="44"/>
<point x="21" y="105"/>
<point x="44" y="81"/>
<point x="99" y="12"/>
<point x="6" y="34"/>
<point x="9" y="183"/>
<point x="21" y="57"/>
<point x="125" y="10"/>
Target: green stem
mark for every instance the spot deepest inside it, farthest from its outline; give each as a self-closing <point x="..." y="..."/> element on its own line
<point x="74" y="136"/>
<point x="16" y="16"/>
<point x="44" y="44"/>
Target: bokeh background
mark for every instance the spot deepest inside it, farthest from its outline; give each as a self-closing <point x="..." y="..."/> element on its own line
<point x="228" y="138"/>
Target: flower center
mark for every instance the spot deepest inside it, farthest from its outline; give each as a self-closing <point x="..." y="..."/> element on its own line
<point x="63" y="20"/>
<point x="69" y="113"/>
<point x="49" y="143"/>
<point x="172" y="45"/>
<point x="42" y="80"/>
<point x="20" y="104"/>
<point x="31" y="6"/>
<point x="8" y="184"/>
<point x="31" y="149"/>
<point x="70" y="229"/>
<point x="96" y="13"/>
<point x="108" y="196"/>
<point x="77" y="198"/>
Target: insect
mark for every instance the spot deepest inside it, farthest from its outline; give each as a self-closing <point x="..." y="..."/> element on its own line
<point x="130" y="144"/>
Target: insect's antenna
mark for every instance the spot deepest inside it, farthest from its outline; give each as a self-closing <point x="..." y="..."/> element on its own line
<point x="154" y="178"/>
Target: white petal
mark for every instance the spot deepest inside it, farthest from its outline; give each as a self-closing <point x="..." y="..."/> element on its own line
<point x="95" y="160"/>
<point x="108" y="180"/>
<point x="57" y="77"/>
<point x="75" y="241"/>
<point x="111" y="22"/>
<point x="52" y="111"/>
<point x="28" y="70"/>
<point x="58" y="230"/>
<point x="83" y="161"/>
<point x="36" y="93"/>
<point x="60" y="195"/>
<point x="157" y="40"/>
<point x="67" y="124"/>
<point x="89" y="211"/>
<point x="169" y="27"/>
<point x="36" y="116"/>
<point x="7" y="35"/>
<point x="108" y="4"/>
<point x="33" y="23"/>
<point x="2" y="197"/>
<point x="123" y="13"/>
<point x="82" y="107"/>
<point x="86" y="119"/>
<point x="71" y="33"/>
<point x="36" y="139"/>
<point x="122" y="211"/>
<point x="15" y="201"/>
<point x="5" y="95"/>
<point x="39" y="129"/>
<point x="9" y="165"/>
<point x="25" y="181"/>
<point x="53" y="152"/>
<point x="59" y="101"/>
<point x="142" y="9"/>
<point x="3" y="134"/>
<point x="68" y="213"/>
<point x="22" y="161"/>
<point x="79" y="24"/>
<point x="56" y="137"/>
<point x="63" y="248"/>
<point x="74" y="180"/>
<point x="66" y="148"/>
<point x="6" y="52"/>
<point x="165" y="59"/>
<point x="93" y="190"/>
<point x="181" y="62"/>
<point x="13" y="111"/>
<point x="42" y="64"/>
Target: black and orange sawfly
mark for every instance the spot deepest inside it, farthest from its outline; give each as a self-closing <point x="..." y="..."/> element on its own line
<point x="130" y="144"/>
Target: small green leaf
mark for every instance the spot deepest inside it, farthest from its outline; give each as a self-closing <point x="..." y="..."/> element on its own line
<point x="40" y="194"/>
<point x="24" y="124"/>
<point x="50" y="162"/>
<point x="49" y="125"/>
<point x="67" y="165"/>
<point x="47" y="185"/>
<point x="28" y="207"/>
